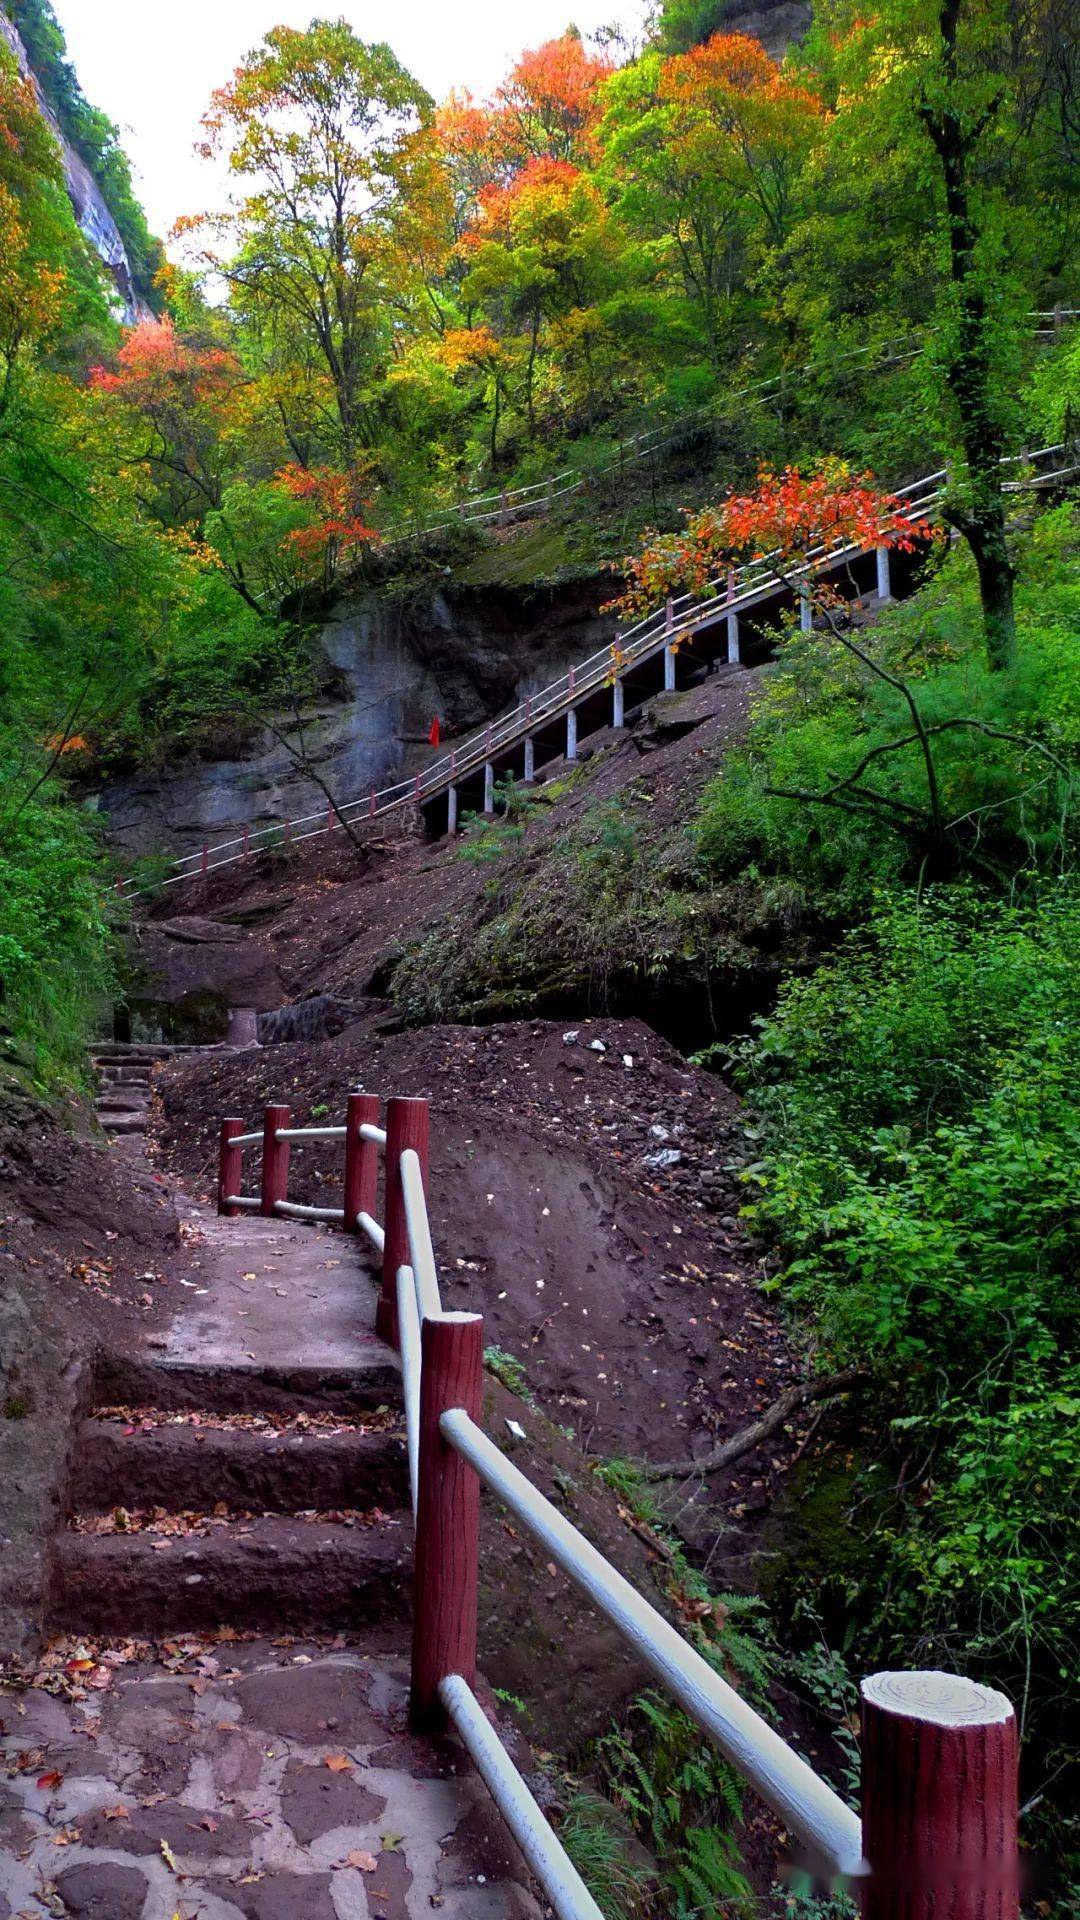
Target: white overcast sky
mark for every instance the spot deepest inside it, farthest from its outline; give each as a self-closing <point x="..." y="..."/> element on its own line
<point x="152" y="67"/>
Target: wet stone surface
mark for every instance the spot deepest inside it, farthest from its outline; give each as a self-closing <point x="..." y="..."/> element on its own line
<point x="223" y="1780"/>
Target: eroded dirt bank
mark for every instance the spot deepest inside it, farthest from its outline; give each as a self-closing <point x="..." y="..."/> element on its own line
<point x="584" y="1190"/>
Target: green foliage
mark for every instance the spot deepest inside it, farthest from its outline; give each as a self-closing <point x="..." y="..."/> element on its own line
<point x="597" y="1842"/>
<point x="57" y="939"/>
<point x="664" y="1775"/>
<point x="1002" y="746"/>
<point x="508" y="1368"/>
<point x="922" y="1134"/>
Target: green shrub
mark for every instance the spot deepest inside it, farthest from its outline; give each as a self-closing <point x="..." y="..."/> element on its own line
<point x="919" y="1097"/>
<point x="57" y="947"/>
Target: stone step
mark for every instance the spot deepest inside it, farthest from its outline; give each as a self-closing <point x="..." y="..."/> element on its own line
<point x="119" y="1053"/>
<point x="187" y="1467"/>
<point x="124" y="1076"/>
<point x="125" y="1122"/>
<point x="370" y="1379"/>
<point x="122" y="1100"/>
<point x="258" y="1576"/>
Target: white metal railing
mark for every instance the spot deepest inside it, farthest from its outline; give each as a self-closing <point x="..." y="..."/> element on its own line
<point x="782" y="1779"/>
<point x="733" y="593"/>
<point x="510" y="503"/>
<point x="450" y="1457"/>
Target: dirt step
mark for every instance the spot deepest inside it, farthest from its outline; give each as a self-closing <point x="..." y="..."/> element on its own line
<point x="255" y="1576"/>
<point x="195" y="1467"/>
<point x="372" y="1378"/>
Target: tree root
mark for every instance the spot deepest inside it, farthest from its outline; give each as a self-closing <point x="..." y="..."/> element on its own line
<point x="825" y="1388"/>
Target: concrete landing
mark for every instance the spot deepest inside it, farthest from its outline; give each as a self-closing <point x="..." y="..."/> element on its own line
<point x="242" y="1781"/>
<point x="270" y="1294"/>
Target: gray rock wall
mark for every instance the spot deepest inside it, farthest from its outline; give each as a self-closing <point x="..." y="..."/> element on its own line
<point x="394" y="665"/>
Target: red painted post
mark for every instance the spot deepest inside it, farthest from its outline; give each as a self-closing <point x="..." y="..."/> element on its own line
<point x="669" y="616"/>
<point x="287" y="836"/>
<point x="204" y="863"/>
<point x="247" y="842"/>
<point x="230" y="1166"/>
<point x="939" y="1799"/>
<point x="330" y="819"/>
<point x="407" y="1125"/>
<point x="453" y="763"/>
<point x="361" y="1159"/>
<point x="275" y="1159"/>
<point x="371" y="805"/>
<point x="446" y="1563"/>
<point x="416" y="789"/>
<point x="570" y="679"/>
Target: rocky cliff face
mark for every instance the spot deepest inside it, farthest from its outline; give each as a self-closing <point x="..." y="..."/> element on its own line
<point x="93" y="216"/>
<point x="391" y="666"/>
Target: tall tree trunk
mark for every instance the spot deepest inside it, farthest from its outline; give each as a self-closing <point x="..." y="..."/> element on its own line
<point x="969" y="366"/>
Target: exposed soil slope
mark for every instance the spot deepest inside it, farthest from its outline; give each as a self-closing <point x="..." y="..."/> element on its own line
<point x="583" y="1196"/>
<point x="331" y="921"/>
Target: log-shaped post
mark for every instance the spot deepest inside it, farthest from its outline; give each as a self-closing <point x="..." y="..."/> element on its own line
<point x="275" y="1159"/>
<point x="618" y="711"/>
<point x="939" y="1799"/>
<point x="530" y="758"/>
<point x="407" y="1125"/>
<point x="361" y="1159"/>
<point x="447" y="1518"/>
<point x="489" y="787"/>
<point x="204" y="859"/>
<point x="451" y="811"/>
<point x="669" y="669"/>
<point x="230" y="1166"/>
<point x="571" y="734"/>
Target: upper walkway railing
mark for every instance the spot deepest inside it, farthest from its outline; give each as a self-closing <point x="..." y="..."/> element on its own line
<point x="938" y="1829"/>
<point x="726" y="598"/>
<point x="501" y="505"/>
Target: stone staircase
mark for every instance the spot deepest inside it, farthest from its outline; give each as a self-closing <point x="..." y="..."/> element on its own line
<point x="123" y="1101"/>
<point x="237" y="1497"/>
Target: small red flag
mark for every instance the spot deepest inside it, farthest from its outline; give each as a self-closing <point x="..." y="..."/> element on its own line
<point x="434" y="735"/>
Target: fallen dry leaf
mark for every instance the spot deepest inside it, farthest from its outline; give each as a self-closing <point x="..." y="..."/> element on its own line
<point x="338" y="1763"/>
<point x="364" y="1862"/>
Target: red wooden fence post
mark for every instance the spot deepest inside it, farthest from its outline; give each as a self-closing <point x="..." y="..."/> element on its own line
<point x="275" y="1159"/>
<point x="407" y="1125"/>
<point x="230" y="1161"/>
<point x="361" y="1159"/>
<point x="204" y="859"/>
<point x="447" y="1554"/>
<point x="939" y="1799"/>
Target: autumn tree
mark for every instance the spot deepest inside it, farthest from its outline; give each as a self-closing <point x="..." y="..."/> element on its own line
<point x="316" y="129"/>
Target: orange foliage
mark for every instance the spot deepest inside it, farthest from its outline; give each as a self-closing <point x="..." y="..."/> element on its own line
<point x="538" y="177"/>
<point x="786" y="517"/>
<point x="468" y="347"/>
<point x="153" y="361"/>
<point x="334" y="498"/>
<point x="728" y="67"/>
<point x="550" y="101"/>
